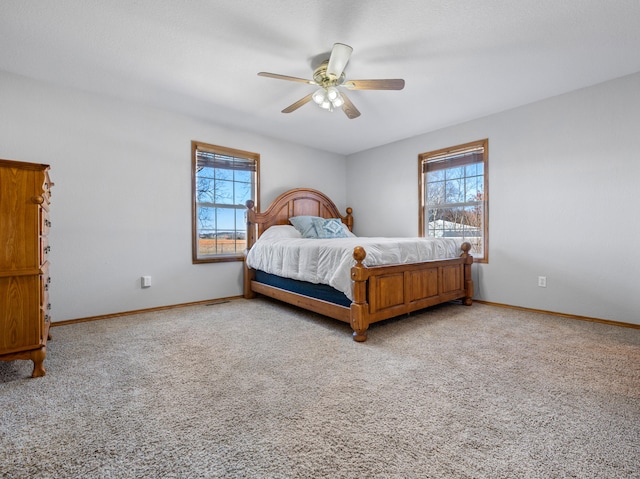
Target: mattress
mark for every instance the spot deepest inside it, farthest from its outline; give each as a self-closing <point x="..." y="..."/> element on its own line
<point x="329" y="261"/>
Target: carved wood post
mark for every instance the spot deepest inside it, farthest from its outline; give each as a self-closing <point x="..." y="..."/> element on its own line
<point x="359" y="305"/>
<point x="468" y="281"/>
<point x="348" y="220"/>
<point x="249" y="274"/>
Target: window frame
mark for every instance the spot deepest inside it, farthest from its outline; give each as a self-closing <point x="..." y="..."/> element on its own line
<point x="223" y="151"/>
<point x="441" y="154"/>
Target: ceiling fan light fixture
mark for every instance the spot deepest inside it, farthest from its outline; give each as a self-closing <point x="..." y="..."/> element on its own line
<point x="328" y="98"/>
<point x="338" y="101"/>
<point x="334" y="96"/>
<point x="319" y="96"/>
<point x="332" y="93"/>
<point x="327" y="105"/>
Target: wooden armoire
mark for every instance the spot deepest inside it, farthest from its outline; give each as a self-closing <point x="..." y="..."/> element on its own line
<point x="24" y="269"/>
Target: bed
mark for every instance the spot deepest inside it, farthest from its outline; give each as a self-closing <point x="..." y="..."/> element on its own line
<point x="377" y="292"/>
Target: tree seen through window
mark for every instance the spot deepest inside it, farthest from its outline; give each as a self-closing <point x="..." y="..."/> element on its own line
<point x="223" y="182"/>
<point x="453" y="195"/>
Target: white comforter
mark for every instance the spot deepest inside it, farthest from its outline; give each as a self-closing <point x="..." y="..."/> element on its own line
<point x="329" y="261"/>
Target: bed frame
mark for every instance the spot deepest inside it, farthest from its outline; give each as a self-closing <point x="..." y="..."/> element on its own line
<point x="379" y="292"/>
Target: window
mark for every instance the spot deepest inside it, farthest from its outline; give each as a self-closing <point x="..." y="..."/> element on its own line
<point x="223" y="180"/>
<point x="454" y="195"/>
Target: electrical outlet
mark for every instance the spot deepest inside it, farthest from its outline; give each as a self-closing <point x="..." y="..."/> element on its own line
<point x="145" y="281"/>
<point x="542" y="281"/>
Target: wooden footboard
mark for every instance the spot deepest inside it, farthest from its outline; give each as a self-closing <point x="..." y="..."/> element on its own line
<point x="383" y="292"/>
<point x="379" y="292"/>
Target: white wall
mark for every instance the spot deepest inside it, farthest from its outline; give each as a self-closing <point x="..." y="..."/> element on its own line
<point x="562" y="185"/>
<point x="121" y="204"/>
<point x="563" y="193"/>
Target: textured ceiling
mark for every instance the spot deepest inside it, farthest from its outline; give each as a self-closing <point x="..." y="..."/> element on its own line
<point x="461" y="59"/>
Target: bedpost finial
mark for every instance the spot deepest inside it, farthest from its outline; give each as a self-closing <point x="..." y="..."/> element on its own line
<point x="348" y="220"/>
<point x="465" y="247"/>
<point x="359" y="254"/>
<point x="250" y="204"/>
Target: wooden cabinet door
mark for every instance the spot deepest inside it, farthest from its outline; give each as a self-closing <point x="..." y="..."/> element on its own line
<point x="20" y="219"/>
<point x="20" y="320"/>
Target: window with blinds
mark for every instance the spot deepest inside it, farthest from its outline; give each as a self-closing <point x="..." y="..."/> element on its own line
<point x="453" y="195"/>
<point x="223" y="180"/>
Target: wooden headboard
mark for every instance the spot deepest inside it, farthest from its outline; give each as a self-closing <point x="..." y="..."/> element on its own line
<point x="296" y="202"/>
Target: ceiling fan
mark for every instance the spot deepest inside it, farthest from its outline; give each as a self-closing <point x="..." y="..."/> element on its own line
<point x="331" y="79"/>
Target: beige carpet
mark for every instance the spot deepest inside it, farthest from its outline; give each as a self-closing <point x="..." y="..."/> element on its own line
<point x="256" y="389"/>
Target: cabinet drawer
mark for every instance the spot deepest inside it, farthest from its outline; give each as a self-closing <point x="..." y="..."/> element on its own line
<point x="45" y="281"/>
<point x="46" y="188"/>
<point x="44" y="249"/>
<point x="45" y="304"/>
<point x="45" y="310"/>
<point x="45" y="222"/>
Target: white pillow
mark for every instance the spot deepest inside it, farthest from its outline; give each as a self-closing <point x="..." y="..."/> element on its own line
<point x="348" y="231"/>
<point x="280" y="232"/>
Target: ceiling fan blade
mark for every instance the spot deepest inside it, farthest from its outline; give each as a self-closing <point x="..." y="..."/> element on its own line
<point x="349" y="108"/>
<point x="286" y="77"/>
<point x="390" y="84"/>
<point x="338" y="60"/>
<point x="298" y="104"/>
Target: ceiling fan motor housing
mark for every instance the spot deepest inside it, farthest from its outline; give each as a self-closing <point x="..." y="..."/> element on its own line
<point x="325" y="80"/>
